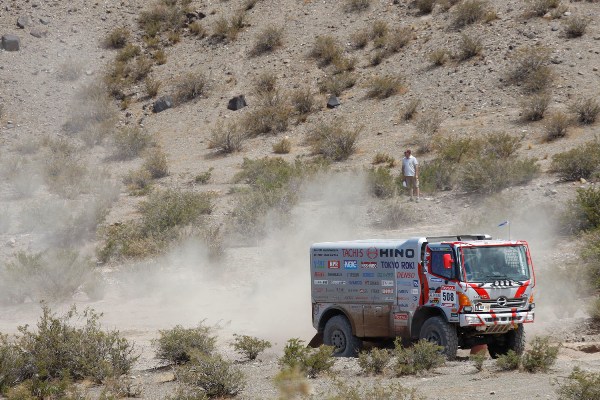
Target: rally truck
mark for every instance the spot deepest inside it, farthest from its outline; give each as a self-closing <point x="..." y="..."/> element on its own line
<point x="457" y="291"/>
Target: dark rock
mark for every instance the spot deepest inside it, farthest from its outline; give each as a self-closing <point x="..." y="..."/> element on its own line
<point x="237" y="103"/>
<point x="162" y="104"/>
<point x="23" y="21"/>
<point x="44" y="21"/>
<point x="333" y="102"/>
<point x="11" y="43"/>
<point x="39" y="33"/>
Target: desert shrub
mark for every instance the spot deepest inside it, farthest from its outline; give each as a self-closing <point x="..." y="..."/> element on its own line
<point x="250" y="347"/>
<point x="204" y="177"/>
<point x="478" y="359"/>
<point x="468" y="12"/>
<point x="360" y="39"/>
<point x="152" y="86"/>
<point x="221" y="29"/>
<point x="409" y="111"/>
<point x="117" y="38"/>
<point x="422" y="356"/>
<point x="384" y="158"/>
<point x="580" y="162"/>
<point x="499" y="145"/>
<point x="590" y="255"/>
<point x="576" y="26"/>
<point x="325" y="50"/>
<point x="357" y="5"/>
<point x="294" y="354"/>
<point x="509" y="362"/>
<point x="489" y="175"/>
<point x="128" y="52"/>
<point x="197" y="29"/>
<point x="70" y="71"/>
<point x="336" y="84"/>
<point x="155" y="162"/>
<point x="218" y="378"/>
<point x="594" y="308"/>
<point x="270" y="117"/>
<point x="129" y="142"/>
<point x="139" y="182"/>
<point x="291" y="383"/>
<point x="393" y="391"/>
<point x="173" y="37"/>
<point x="191" y="86"/>
<point x="178" y="344"/>
<point x="284" y="146"/>
<point x="382" y="87"/>
<point x="170" y="208"/>
<point x="454" y="149"/>
<point x="586" y="109"/>
<point x="425" y="6"/>
<point x="140" y="69"/>
<point x="160" y="57"/>
<point x="268" y="40"/>
<point x="426" y="126"/>
<point x="333" y="141"/>
<point x="557" y="125"/>
<point x="266" y="83"/>
<point x="587" y="206"/>
<point x="398" y="38"/>
<point x="580" y="385"/>
<point x="541" y="356"/>
<point x="226" y="139"/>
<point x="469" y="47"/>
<point x="381" y="182"/>
<point x="54" y="275"/>
<point x="534" y="107"/>
<point x="310" y="361"/>
<point x="539" y="8"/>
<point x="374" y="361"/>
<point x="436" y="175"/>
<point x="303" y="101"/>
<point x="439" y="57"/>
<point x="379" y="29"/>
<point x="163" y="17"/>
<point x="529" y="69"/>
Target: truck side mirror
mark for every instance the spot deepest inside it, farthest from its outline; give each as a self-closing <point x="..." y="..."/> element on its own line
<point x="447" y="261"/>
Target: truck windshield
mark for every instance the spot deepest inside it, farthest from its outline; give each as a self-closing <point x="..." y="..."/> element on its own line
<point x="487" y="264"/>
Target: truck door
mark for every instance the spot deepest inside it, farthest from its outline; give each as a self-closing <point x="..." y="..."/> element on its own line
<point x="440" y="273"/>
<point x="376" y="320"/>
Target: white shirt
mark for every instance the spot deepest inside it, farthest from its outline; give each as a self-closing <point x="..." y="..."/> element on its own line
<point x="409" y="166"/>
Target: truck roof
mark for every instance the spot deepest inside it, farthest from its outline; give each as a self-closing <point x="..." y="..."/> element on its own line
<point x="470" y="239"/>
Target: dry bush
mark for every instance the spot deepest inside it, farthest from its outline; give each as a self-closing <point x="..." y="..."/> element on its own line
<point x="344" y="64"/>
<point x="220" y="29"/>
<point x="383" y="158"/>
<point x="117" y="38"/>
<point x="271" y="116"/>
<point x="268" y="40"/>
<point x="439" y="57"/>
<point x="160" y="57"/>
<point x="204" y="177"/>
<point x="197" y="29"/>
<point x="576" y="26"/>
<point x="217" y="377"/>
<point x="581" y="385"/>
<point x="336" y="84"/>
<point x="425" y="6"/>
<point x="284" y="146"/>
<point x="379" y="30"/>
<point x="141" y="68"/>
<point x="70" y="71"/>
<point x="224" y="30"/>
<point x="539" y="8"/>
<point x="490" y="175"/>
<point x="382" y="87"/>
<point x="580" y="162"/>
<point x="422" y="356"/>
<point x="128" y="52"/>
<point x="291" y="383"/>
<point x="374" y="361"/>
<point x="557" y="125"/>
<point x="64" y="172"/>
<point x="397" y="39"/>
<point x="468" y="12"/>
<point x="426" y="126"/>
<point x="178" y="344"/>
<point x="393" y="391"/>
<point x="333" y="141"/>
<point x="250" y="4"/>
<point x="226" y="139"/>
<point x="541" y="356"/>
<point x="499" y="145"/>
<point x="155" y="162"/>
<point x="529" y="69"/>
<point x="325" y="50"/>
<point x="509" y="362"/>
<point x="303" y="102"/>
<point x="191" y="86"/>
<point x="360" y="39"/>
<point x="357" y="5"/>
<point x="381" y="182"/>
<point x="469" y="47"/>
<point x="266" y="83"/>
<point x="152" y="86"/>
<point x="139" y="182"/>
<point x="534" y="107"/>
<point x="378" y="57"/>
<point x="586" y="109"/>
<point x="250" y="347"/>
<point x="129" y="142"/>
<point x="409" y="111"/>
<point x="164" y="16"/>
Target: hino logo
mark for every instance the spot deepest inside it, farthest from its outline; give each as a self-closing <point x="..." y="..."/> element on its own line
<point x="502" y="301"/>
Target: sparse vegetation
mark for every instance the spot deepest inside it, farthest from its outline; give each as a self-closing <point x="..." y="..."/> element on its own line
<point x="204" y="177"/>
<point x="422" y="356"/>
<point x="152" y="86"/>
<point x="326" y="50"/>
<point x="488" y="175"/>
<point x="509" y="362"/>
<point x="130" y="51"/>
<point x="381" y="182"/>
<point x="384" y="158"/>
<point x="360" y="39"/>
<point x="226" y="139"/>
<point x="541" y="356"/>
<point x="130" y="142"/>
<point x="426" y="126"/>
<point x="139" y="182"/>
<point x="333" y="141"/>
<point x="382" y="87"/>
<point x="539" y="8"/>
<point x="530" y="69"/>
<point x="197" y="29"/>
<point x="478" y="359"/>
<point x="311" y="361"/>
<point x="397" y="39"/>
<point x="374" y="361"/>
<point x="499" y="145"/>
<point x="557" y="125"/>
<point x="425" y="6"/>
<point x="580" y="162"/>
<point x="534" y="107"/>
<point x="155" y="162"/>
<point x="338" y="83"/>
<point x="586" y="109"/>
<point x="594" y="309"/>
<point x="291" y="383"/>
<point x="576" y="26"/>
<point x="469" y="12"/>
<point x="469" y="47"/>
<point x="217" y="377"/>
<point x="268" y="40"/>
<point x="394" y="213"/>
<point x="250" y="347"/>
<point x="284" y="146"/>
<point x="357" y="5"/>
<point x="580" y="385"/>
<point x="393" y="391"/>
<point x="409" y="111"/>
<point x="266" y="83"/>
<point x="439" y="57"/>
<point x="191" y="86"/>
<point x="117" y="38"/>
<point x="177" y="345"/>
<point x="303" y="102"/>
<point x="272" y="116"/>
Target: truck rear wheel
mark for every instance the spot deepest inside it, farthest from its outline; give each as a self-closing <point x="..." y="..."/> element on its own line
<point x="440" y="332"/>
<point x="338" y="333"/>
<point x="513" y="340"/>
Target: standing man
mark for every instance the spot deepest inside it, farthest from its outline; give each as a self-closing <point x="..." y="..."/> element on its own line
<point x="410" y="173"/>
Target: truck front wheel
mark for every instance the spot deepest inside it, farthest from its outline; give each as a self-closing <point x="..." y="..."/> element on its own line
<point x="513" y="340"/>
<point x="338" y="333"/>
<point x="440" y="332"/>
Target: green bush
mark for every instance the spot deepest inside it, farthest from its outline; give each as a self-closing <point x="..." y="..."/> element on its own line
<point x="557" y="125"/>
<point x="333" y="141"/>
<point x="580" y="162"/>
<point x="178" y="344"/>
<point x="129" y="142"/>
<point x="226" y="139"/>
<point x="393" y="391"/>
<point x="338" y="83"/>
<point x="381" y="182"/>
<point x="529" y="69"/>
<point x="268" y="40"/>
<point x="541" y="356"/>
<point x="591" y="257"/>
<point x="191" y="86"/>
<point x="585" y="209"/>
<point x="580" y="385"/>
<point x="534" y="107"/>
<point x="294" y="354"/>
<point x="422" y="356"/>
<point x="436" y="175"/>
<point x="250" y="347"/>
<point x="500" y="145"/>
<point x="576" y="26"/>
<point x="155" y="162"/>
<point x="311" y="361"/>
<point x="586" y="109"/>
<point x="478" y="359"/>
<point x="117" y="38"/>
<point x="218" y="378"/>
<point x="490" y="175"/>
<point x="468" y="12"/>
<point x="509" y="362"/>
<point x="374" y="361"/>
<point x="382" y="87"/>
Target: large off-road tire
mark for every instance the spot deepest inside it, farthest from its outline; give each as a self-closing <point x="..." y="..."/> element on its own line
<point x="440" y="332"/>
<point x="338" y="333"/>
<point x="513" y="340"/>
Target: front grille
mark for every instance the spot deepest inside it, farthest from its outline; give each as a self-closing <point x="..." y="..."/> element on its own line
<point x="510" y="303"/>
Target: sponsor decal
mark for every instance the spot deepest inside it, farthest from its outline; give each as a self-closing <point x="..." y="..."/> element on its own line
<point x="388" y="299"/>
<point x="405" y="291"/>
<point x="338" y="282"/>
<point x="448" y="296"/>
<point x="435" y="280"/>
<point x="401" y="316"/>
<point x="407" y="265"/>
<point x="333" y="264"/>
<point x="325" y="253"/>
<point x="406" y="275"/>
<point x="435" y="301"/>
<point x="385" y="275"/>
<point x="387" y="291"/>
<point x="353" y="274"/>
<point x="415" y="291"/>
<point x="454" y="315"/>
<point x="354" y="282"/>
<point x="350" y="264"/>
<point x="369" y="274"/>
<point x="368" y="264"/>
<point x="334" y="274"/>
<point x="319" y="290"/>
<point x="372" y="252"/>
<point x="352" y="290"/>
<point x="352" y="253"/>
<point x="361" y="298"/>
<point x="398" y="264"/>
<point x="435" y="295"/>
<point x="390" y="253"/>
<point x="403" y="305"/>
<point x="415" y="298"/>
<point x="403" y="283"/>
<point x="375" y="291"/>
<point x="372" y="283"/>
<point x="319" y="274"/>
<point x="321" y="282"/>
<point x="403" y="298"/>
<point x="318" y="263"/>
<point x="362" y="291"/>
<point x="416" y="283"/>
<point x="387" y="283"/>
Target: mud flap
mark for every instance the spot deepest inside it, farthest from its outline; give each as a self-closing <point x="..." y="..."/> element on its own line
<point x="316" y="341"/>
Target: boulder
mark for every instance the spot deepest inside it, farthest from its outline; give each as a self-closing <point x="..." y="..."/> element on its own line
<point x="237" y="103"/>
<point x="39" y="33"/>
<point x="162" y="104"/>
<point x="11" y="43"/>
<point x="333" y="102"/>
<point x="23" y="21"/>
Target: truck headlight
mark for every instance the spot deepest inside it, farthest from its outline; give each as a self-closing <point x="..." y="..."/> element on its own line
<point x="472" y="320"/>
<point x="532" y="306"/>
<point x="479" y="307"/>
<point x="529" y="317"/>
<point x="467" y="309"/>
